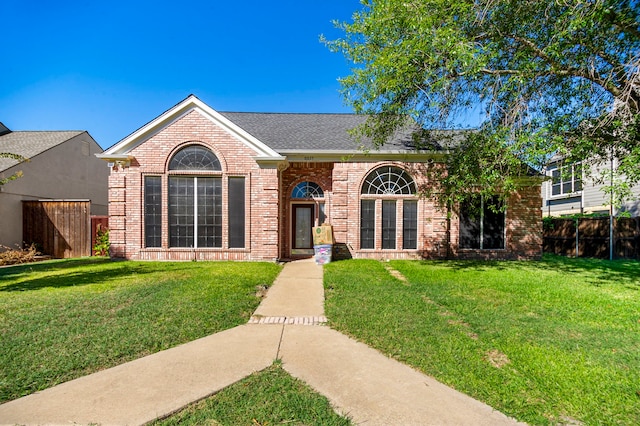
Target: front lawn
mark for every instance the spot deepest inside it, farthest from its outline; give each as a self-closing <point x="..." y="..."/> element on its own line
<point x="556" y="341"/>
<point x="63" y="319"/>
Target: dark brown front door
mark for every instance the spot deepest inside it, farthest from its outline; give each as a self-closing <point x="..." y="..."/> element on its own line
<point x="302" y="218"/>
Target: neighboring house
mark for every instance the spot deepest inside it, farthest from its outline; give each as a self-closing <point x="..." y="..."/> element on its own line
<point x="197" y="184"/>
<point x="61" y="165"/>
<point x="570" y="190"/>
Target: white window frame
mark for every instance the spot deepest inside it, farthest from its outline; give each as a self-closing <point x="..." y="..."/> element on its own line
<point x="566" y="177"/>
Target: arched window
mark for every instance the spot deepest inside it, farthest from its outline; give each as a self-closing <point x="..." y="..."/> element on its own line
<point x="307" y="190"/>
<point x="388" y="192"/>
<point x="388" y="180"/>
<point x="195" y="212"/>
<point x="195" y="202"/>
<point x="195" y="157"/>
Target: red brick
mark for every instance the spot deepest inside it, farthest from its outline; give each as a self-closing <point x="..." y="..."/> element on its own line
<point x="268" y="204"/>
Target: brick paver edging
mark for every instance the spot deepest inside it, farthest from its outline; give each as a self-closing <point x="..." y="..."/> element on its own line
<point x="318" y="320"/>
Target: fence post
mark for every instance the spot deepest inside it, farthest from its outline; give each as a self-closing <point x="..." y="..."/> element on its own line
<point x="577" y="238"/>
<point x="637" y="239"/>
<point x="611" y="242"/>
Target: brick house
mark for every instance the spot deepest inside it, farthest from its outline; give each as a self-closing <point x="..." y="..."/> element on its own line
<point x="199" y="184"/>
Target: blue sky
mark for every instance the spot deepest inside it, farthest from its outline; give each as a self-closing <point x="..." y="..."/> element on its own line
<point x="109" y="67"/>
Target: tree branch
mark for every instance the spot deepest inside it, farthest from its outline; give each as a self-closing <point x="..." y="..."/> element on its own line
<point x="561" y="70"/>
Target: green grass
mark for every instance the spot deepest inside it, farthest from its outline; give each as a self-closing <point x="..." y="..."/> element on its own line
<point x="63" y="319"/>
<point x="546" y="342"/>
<point x="270" y="397"/>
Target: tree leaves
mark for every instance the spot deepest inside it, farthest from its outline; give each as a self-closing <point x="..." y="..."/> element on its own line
<point x="17" y="174"/>
<point x="553" y="77"/>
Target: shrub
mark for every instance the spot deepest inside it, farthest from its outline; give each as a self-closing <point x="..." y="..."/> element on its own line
<point x="102" y="245"/>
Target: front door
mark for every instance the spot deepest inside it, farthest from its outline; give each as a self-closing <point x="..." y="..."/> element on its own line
<point x="302" y="216"/>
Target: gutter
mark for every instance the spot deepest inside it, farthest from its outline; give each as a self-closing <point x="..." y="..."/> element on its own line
<point x="323" y="156"/>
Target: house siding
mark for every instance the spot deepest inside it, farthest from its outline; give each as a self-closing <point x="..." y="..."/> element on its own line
<point x="592" y="198"/>
<point x="69" y="170"/>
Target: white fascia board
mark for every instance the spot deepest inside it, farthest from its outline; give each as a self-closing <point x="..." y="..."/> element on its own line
<point x="114" y="157"/>
<point x="270" y="162"/>
<point x="174" y="114"/>
<point x="359" y="155"/>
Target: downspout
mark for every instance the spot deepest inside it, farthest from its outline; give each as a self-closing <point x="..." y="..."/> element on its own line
<point x="282" y="166"/>
<point x="280" y="215"/>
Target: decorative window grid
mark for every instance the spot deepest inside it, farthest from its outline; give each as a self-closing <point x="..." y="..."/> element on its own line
<point x="388" y="180"/>
<point x="195" y="158"/>
<point x="307" y="190"/>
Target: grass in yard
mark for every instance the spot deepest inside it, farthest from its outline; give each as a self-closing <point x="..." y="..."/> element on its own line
<point x="555" y="341"/>
<point x="270" y="397"/>
<point x="63" y="319"/>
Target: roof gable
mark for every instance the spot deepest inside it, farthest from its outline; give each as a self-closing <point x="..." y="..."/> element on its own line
<point x="4" y="129"/>
<point x="29" y="144"/>
<point x="121" y="150"/>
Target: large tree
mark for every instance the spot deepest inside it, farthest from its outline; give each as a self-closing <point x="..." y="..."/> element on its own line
<point x="557" y="77"/>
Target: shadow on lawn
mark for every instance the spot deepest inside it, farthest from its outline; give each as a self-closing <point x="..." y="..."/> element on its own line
<point x="595" y="271"/>
<point x="11" y="271"/>
<point x="74" y="276"/>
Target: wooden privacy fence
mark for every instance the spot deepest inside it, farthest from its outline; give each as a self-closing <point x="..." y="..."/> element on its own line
<point x="59" y="228"/>
<point x="589" y="237"/>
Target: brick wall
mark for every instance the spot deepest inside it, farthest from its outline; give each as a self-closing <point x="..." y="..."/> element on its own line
<point x="345" y="216"/>
<point x="523" y="235"/>
<point x="295" y="173"/>
<point x="126" y="208"/>
<point x="342" y="182"/>
<point x="268" y="203"/>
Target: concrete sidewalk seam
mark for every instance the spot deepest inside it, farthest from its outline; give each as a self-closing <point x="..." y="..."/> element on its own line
<point x="280" y="342"/>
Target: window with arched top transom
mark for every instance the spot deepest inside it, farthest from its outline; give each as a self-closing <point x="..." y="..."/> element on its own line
<point x="194" y="209"/>
<point x="388" y="193"/>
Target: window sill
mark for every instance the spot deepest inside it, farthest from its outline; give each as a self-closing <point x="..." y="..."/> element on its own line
<point x="481" y="250"/>
<point x="389" y="250"/>
<point x="188" y="249"/>
<point x="565" y="196"/>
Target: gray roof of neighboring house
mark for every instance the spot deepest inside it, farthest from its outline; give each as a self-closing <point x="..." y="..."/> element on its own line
<point x="30" y="143"/>
<point x="326" y="132"/>
<point x="3" y="129"/>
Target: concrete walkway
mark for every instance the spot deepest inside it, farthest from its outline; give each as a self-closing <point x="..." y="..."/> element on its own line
<point x="360" y="382"/>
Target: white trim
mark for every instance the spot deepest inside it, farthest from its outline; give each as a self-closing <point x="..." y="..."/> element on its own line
<point x="328" y="156"/>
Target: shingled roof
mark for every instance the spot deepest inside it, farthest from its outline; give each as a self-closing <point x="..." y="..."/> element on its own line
<point x="277" y="136"/>
<point x="284" y="132"/>
<point x="30" y="143"/>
